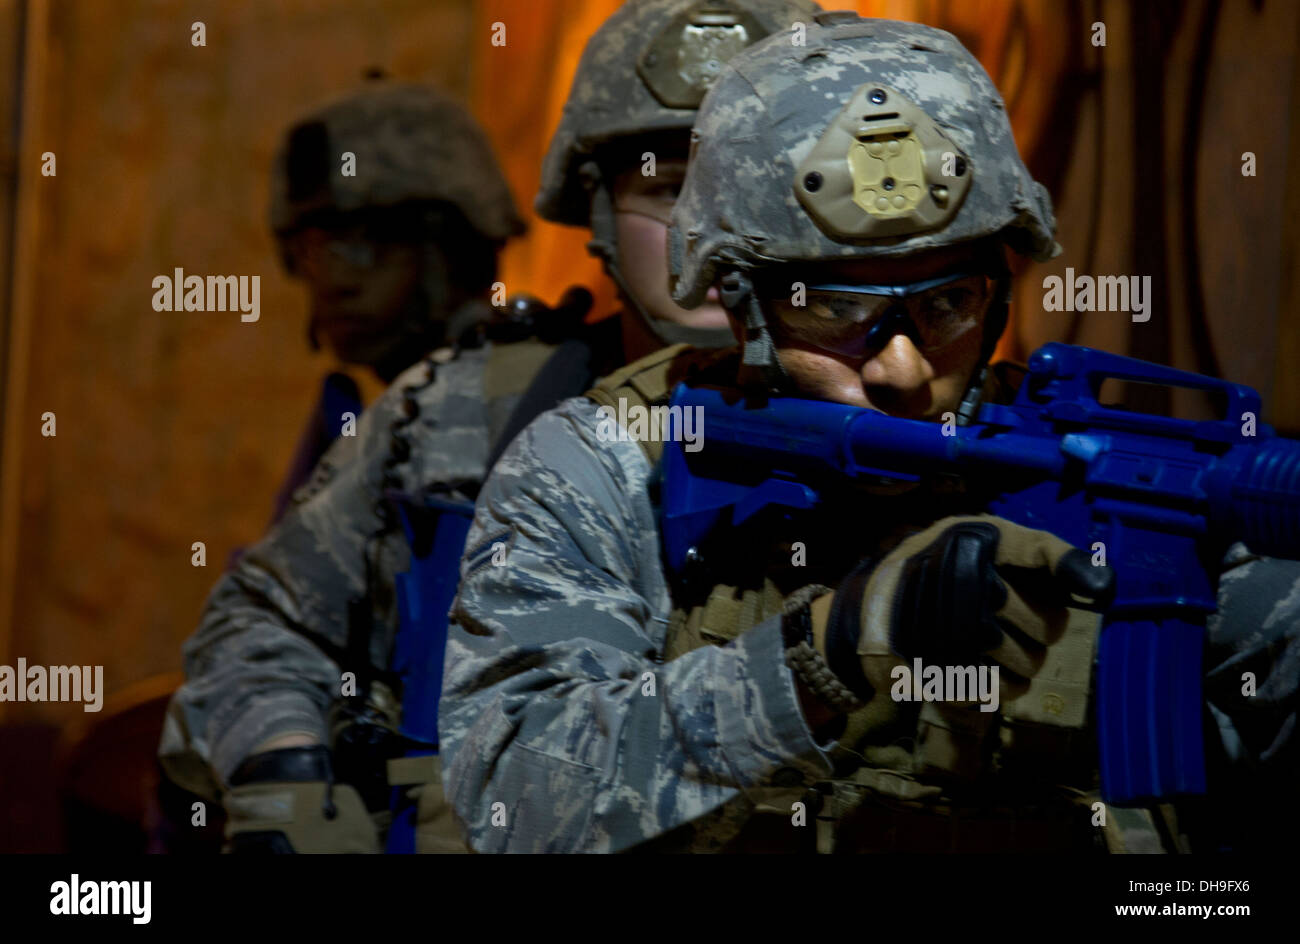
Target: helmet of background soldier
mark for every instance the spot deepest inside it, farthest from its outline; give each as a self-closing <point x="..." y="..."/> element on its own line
<point x="645" y="72"/>
<point x="412" y="144"/>
<point x="873" y="139"/>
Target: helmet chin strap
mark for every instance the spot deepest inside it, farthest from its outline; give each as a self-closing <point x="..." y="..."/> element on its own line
<point x="604" y="246"/>
<point x="760" y="365"/>
<point x="995" y="322"/>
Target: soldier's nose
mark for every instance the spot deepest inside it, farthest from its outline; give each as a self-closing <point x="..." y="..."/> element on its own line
<point x="897" y="375"/>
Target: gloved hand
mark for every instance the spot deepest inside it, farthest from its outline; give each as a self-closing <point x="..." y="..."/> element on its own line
<point x="285" y="800"/>
<point x="967" y="591"/>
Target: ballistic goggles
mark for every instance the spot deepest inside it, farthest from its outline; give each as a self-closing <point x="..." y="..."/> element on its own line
<point x="854" y="320"/>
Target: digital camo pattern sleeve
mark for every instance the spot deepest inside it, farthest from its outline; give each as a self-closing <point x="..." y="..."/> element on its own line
<point x="1257" y="630"/>
<point x="551" y="738"/>
<point x="265" y="658"/>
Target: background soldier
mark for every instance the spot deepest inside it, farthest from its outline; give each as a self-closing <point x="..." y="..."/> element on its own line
<point x="616" y="163"/>
<point x="262" y="727"/>
<point x="388" y="204"/>
<point x="399" y="260"/>
<point x="766" y="681"/>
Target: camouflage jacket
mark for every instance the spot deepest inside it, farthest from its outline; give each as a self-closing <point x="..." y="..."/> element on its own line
<point x="562" y="727"/>
<point x="550" y="652"/>
<point x="265" y="660"/>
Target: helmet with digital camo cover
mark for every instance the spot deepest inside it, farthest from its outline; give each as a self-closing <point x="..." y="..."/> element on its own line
<point x="644" y="73"/>
<point x="411" y="144"/>
<point x="873" y="139"/>
<point x="384" y="174"/>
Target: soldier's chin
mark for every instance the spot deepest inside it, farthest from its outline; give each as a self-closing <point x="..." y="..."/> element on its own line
<point x="709" y="315"/>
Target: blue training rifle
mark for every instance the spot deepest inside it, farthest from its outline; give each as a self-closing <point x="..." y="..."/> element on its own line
<point x="435" y="530"/>
<point x="1164" y="496"/>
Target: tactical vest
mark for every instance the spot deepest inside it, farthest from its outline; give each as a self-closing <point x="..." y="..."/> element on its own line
<point x="875" y="801"/>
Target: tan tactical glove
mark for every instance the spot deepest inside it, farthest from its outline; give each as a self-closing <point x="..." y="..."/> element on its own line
<point x="968" y="591"/>
<point x="284" y="801"/>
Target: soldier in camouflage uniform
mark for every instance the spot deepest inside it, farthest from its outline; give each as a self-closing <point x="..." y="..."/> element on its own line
<point x="399" y="258"/>
<point x="594" y="702"/>
<point x="388" y="205"/>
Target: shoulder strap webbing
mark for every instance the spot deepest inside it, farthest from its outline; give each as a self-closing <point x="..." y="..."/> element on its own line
<point x="650" y="381"/>
<point x="511" y="367"/>
<point x="509" y="370"/>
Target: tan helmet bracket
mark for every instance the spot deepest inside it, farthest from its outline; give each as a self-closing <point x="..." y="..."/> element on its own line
<point x="882" y="168"/>
<point x="682" y="62"/>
